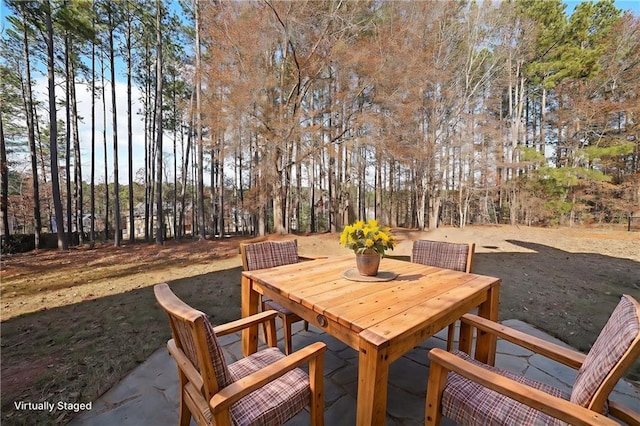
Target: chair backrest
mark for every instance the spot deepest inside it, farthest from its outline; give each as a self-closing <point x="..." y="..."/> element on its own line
<point x="456" y="256"/>
<point x="193" y="334"/>
<point x="615" y="350"/>
<point x="268" y="254"/>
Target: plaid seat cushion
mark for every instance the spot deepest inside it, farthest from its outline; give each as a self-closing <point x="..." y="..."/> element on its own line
<point x="277" y="401"/>
<point x="614" y="340"/>
<point x="269" y="254"/>
<point x="441" y="254"/>
<point x="469" y="403"/>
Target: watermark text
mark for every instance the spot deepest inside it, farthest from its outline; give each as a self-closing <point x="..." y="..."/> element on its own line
<point x="52" y="406"/>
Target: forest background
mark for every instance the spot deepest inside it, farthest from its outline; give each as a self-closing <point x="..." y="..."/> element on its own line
<point x="304" y="116"/>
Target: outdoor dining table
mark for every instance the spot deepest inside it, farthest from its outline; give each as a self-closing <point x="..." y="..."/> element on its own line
<point x="381" y="317"/>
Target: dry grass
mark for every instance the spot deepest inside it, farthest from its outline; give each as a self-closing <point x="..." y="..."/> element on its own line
<point x="69" y="332"/>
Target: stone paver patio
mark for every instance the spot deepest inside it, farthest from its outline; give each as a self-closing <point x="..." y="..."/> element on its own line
<point x="149" y="394"/>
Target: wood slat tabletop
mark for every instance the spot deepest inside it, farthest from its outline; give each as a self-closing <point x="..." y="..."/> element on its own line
<point x="381" y="320"/>
<point x="384" y="308"/>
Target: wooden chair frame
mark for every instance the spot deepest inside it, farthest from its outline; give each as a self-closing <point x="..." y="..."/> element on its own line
<point x="199" y="391"/>
<point x="469" y="265"/>
<point x="288" y="318"/>
<point x="470" y="253"/>
<point x="442" y="362"/>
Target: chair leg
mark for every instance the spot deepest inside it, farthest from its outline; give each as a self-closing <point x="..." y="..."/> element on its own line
<point x="286" y="322"/>
<point x="184" y="414"/>
<point x="263" y="308"/>
<point x="306" y="325"/>
<point x="435" y="386"/>
<point x="451" y="336"/>
<point x="316" y="369"/>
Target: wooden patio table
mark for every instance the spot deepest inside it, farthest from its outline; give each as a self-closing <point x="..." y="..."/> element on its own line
<point x="381" y="320"/>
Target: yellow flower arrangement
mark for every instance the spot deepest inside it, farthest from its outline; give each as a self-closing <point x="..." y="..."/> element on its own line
<point x="367" y="237"/>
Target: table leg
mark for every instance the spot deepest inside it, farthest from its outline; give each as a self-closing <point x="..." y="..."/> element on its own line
<point x="486" y="342"/>
<point x="373" y="376"/>
<point x="466" y="338"/>
<point x="250" y="302"/>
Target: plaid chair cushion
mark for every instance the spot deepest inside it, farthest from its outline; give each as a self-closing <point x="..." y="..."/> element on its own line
<point x="269" y="254"/>
<point x="223" y="376"/>
<point x="469" y="403"/>
<point x="277" y="401"/>
<point x="441" y="254"/>
<point x="613" y="341"/>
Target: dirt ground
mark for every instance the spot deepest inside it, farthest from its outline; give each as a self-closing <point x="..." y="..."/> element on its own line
<point x="565" y="281"/>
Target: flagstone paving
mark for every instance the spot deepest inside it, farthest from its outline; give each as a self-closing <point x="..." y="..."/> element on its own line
<point x="149" y="394"/>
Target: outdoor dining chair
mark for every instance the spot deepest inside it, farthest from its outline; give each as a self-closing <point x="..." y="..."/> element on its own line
<point x="472" y="393"/>
<point x="269" y="254"/>
<point x="443" y="254"/>
<point x="264" y="388"/>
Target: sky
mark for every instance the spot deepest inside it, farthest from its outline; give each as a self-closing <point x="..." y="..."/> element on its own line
<point x="630" y="5"/>
<point x="84" y="107"/>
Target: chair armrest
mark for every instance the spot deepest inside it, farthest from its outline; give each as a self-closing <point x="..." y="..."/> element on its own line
<point x="229" y="395"/>
<point x="242" y="323"/>
<point x="553" y="351"/>
<point x="537" y="399"/>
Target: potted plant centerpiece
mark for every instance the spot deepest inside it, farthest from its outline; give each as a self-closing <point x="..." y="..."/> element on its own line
<point x="369" y="241"/>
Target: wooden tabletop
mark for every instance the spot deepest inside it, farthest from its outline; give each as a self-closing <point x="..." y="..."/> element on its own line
<point x="381" y="311"/>
<point x="381" y="320"/>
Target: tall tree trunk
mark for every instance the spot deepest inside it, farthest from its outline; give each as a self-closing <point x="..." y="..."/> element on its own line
<point x="543" y="121"/>
<point x="28" y="106"/>
<point x="4" y="184"/>
<point x="214" y="199"/>
<point x="215" y="208"/>
<point x="200" y="165"/>
<point x="278" y="192"/>
<point x="312" y="196"/>
<point x="393" y="203"/>
<point x="67" y="139"/>
<point x="147" y="150"/>
<point x="77" y="165"/>
<point x="92" y="184"/>
<point x="379" y="211"/>
<point x="421" y="194"/>
<point x="151" y="168"/>
<point x="220" y="194"/>
<point x="185" y="171"/>
<point x="53" y="131"/>
<point x="298" y="200"/>
<point x="159" y="79"/>
<point x="131" y="225"/>
<point x="174" y="223"/>
<point x="114" y="114"/>
<point x="104" y="145"/>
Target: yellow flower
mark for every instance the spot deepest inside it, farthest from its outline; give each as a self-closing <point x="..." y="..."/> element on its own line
<point x="367" y="236"/>
<point x="343" y="239"/>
